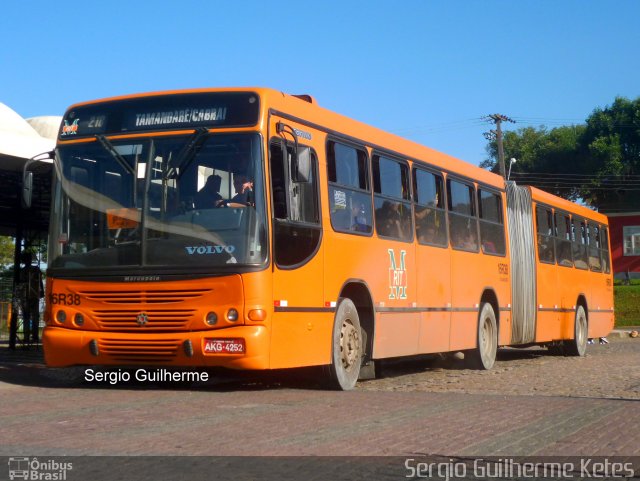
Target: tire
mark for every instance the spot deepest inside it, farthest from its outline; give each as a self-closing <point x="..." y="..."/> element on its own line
<point x="347" y="347"/>
<point x="578" y="345"/>
<point x="483" y="357"/>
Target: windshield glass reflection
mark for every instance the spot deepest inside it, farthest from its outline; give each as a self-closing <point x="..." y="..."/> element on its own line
<point x="169" y="201"/>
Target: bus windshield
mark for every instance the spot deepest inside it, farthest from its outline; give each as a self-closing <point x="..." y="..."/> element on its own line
<point x="193" y="202"/>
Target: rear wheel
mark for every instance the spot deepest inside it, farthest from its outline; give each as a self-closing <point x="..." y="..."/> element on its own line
<point x="347" y="347"/>
<point x="578" y="345"/>
<point x="484" y="356"/>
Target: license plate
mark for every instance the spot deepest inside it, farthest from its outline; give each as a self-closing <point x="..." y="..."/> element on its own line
<point x="224" y="346"/>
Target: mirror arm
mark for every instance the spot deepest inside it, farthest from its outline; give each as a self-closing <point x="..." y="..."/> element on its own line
<point x="27" y="177"/>
<point x="282" y="129"/>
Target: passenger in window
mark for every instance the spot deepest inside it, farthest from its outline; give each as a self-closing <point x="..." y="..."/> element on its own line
<point x="489" y="247"/>
<point x="427" y="235"/>
<point x="360" y="222"/>
<point x="469" y="242"/>
<point x="426" y="225"/>
<point x="388" y="218"/>
<point x="209" y="196"/>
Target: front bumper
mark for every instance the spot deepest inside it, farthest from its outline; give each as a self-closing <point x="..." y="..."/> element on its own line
<point x="72" y="347"/>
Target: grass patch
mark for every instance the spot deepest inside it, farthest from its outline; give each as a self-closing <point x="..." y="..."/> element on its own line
<point x="627" y="305"/>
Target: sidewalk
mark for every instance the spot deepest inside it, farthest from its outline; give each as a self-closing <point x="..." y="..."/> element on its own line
<point x="624" y="331"/>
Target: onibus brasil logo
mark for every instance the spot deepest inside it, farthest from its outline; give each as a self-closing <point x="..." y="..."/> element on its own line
<point x="33" y="469"/>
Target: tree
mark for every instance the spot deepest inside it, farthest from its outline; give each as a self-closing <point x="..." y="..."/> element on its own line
<point x="598" y="162"/>
<point x="6" y="251"/>
<point x="543" y="157"/>
<point x="611" y="145"/>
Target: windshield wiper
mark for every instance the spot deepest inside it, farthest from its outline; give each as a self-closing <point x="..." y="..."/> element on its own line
<point x="115" y="154"/>
<point x="186" y="155"/>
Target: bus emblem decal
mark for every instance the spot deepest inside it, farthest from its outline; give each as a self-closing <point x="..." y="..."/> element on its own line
<point x="70" y="129"/>
<point x="397" y="276"/>
<point x="142" y="319"/>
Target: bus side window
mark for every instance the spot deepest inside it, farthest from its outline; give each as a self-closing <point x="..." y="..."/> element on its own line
<point x="604" y="250"/>
<point x="463" y="222"/>
<point x="579" y="243"/>
<point x="594" y="248"/>
<point x="392" y="198"/>
<point x="546" y="244"/>
<point x="430" y="214"/>
<point x="492" y="236"/>
<point x="296" y="212"/>
<point x="563" y="240"/>
<point x="349" y="191"/>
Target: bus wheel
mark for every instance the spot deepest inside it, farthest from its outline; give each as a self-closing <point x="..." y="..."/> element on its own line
<point x="346" y="352"/>
<point x="484" y="356"/>
<point x="578" y="345"/>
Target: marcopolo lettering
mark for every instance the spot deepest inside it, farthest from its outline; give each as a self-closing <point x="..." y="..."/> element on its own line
<point x="207" y="250"/>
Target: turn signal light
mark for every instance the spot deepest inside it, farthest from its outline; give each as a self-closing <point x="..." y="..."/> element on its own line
<point x="257" y="315"/>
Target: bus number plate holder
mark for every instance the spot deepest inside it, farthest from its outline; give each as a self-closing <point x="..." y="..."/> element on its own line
<point x="224" y="346"/>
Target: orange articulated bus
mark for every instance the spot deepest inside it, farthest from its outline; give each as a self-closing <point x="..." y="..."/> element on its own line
<point x="250" y="229"/>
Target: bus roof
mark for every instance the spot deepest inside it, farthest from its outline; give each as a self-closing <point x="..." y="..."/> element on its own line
<point x="304" y="109"/>
<point x="546" y="198"/>
<point x="328" y="120"/>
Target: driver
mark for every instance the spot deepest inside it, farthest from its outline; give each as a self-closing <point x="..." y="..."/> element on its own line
<point x="209" y="196"/>
<point x="243" y="186"/>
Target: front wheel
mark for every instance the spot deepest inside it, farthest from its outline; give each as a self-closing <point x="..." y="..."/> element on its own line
<point x="578" y="345"/>
<point x="347" y="347"/>
<point x="484" y="356"/>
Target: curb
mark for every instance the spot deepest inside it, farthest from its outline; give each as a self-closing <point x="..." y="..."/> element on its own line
<point x="622" y="332"/>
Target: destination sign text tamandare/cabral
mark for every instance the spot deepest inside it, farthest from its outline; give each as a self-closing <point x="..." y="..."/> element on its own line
<point x="162" y="112"/>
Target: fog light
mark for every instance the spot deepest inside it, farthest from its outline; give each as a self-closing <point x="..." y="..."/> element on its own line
<point x="211" y="319"/>
<point x="78" y="319"/>
<point x="93" y="347"/>
<point x="61" y="316"/>
<point x="188" y="348"/>
<point x="232" y="315"/>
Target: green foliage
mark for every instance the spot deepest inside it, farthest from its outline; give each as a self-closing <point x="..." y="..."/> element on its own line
<point x="6" y="252"/>
<point x="627" y="305"/>
<point x="596" y="162"/>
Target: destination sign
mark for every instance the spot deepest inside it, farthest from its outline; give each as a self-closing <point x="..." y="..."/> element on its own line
<point x="162" y="112"/>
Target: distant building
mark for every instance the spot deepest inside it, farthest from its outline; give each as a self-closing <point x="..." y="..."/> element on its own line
<point x="625" y="244"/>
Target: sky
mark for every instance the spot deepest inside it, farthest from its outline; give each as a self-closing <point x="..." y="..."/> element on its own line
<point x="426" y="70"/>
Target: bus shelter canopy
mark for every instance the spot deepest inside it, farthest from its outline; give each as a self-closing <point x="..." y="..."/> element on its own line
<point x="20" y="140"/>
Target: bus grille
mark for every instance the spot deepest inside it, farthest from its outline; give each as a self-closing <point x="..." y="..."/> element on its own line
<point x="144" y="296"/>
<point x="126" y="350"/>
<point x="158" y="319"/>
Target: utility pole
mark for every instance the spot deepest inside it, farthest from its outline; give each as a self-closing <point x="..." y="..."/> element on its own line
<point x="498" y="119"/>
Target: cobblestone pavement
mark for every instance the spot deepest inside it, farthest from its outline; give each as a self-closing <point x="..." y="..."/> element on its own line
<point x="532" y="403"/>
<point x="608" y="371"/>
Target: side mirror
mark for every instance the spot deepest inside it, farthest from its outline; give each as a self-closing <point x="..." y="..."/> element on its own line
<point x="301" y="165"/>
<point x="27" y="189"/>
